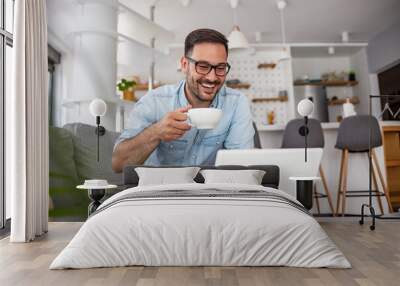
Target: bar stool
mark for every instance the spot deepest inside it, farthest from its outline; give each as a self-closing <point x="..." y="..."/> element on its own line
<point x="353" y="137"/>
<point x="315" y="139"/>
<point x="257" y="141"/>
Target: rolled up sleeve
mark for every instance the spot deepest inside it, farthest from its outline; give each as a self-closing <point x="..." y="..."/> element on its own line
<point x="241" y="131"/>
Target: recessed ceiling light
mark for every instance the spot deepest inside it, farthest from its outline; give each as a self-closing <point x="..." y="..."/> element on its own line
<point x="185" y="3"/>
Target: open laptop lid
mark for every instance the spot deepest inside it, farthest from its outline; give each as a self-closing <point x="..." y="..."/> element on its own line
<point x="290" y="161"/>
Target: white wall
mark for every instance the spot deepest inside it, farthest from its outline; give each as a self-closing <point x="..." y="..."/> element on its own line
<point x="384" y="49"/>
<point x="358" y="63"/>
<point x="383" y="52"/>
<point x="88" y="60"/>
<point x="314" y="67"/>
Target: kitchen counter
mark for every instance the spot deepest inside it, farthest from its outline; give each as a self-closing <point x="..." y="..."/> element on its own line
<point x="325" y="126"/>
<point x="280" y="127"/>
<point x="271" y="137"/>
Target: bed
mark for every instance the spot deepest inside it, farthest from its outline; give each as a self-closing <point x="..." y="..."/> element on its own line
<point x="201" y="224"/>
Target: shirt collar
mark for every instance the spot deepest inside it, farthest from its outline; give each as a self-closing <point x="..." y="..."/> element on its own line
<point x="182" y="100"/>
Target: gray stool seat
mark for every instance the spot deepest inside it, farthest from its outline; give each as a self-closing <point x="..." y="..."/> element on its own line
<point x="257" y="141"/>
<point x="353" y="133"/>
<point x="293" y="139"/>
<point x="315" y="139"/>
<point x="357" y="134"/>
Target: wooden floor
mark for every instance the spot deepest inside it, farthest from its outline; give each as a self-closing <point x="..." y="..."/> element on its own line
<point x="374" y="255"/>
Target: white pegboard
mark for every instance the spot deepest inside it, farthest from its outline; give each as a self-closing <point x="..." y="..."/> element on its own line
<point x="264" y="83"/>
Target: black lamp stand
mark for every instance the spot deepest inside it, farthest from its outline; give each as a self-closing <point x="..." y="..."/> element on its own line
<point x="303" y="131"/>
<point x="100" y="131"/>
<point x="304" y="187"/>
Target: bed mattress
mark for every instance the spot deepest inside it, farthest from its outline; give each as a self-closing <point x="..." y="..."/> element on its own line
<point x="201" y="225"/>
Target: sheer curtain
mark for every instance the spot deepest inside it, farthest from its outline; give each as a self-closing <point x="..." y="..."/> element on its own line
<point x="27" y="123"/>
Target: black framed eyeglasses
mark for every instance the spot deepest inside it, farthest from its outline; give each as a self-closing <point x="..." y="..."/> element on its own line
<point x="204" y="68"/>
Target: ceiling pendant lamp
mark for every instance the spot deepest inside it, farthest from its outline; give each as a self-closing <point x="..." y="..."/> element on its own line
<point x="281" y="4"/>
<point x="236" y="39"/>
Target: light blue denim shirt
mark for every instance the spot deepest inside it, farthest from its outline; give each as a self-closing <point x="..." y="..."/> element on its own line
<point x="195" y="147"/>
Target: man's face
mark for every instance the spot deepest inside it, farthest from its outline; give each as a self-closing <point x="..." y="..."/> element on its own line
<point x="204" y="87"/>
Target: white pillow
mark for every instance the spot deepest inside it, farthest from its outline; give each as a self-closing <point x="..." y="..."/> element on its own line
<point x="165" y="176"/>
<point x="248" y="177"/>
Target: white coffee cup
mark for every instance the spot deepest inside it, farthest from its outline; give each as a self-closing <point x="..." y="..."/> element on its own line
<point x="204" y="118"/>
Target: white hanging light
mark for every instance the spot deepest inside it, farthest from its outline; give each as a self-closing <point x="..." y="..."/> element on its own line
<point x="281" y="4"/>
<point x="236" y="38"/>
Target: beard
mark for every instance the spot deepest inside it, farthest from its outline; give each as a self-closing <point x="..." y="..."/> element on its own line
<point x="202" y="89"/>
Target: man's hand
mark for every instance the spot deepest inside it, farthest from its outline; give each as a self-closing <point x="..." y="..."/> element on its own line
<point x="173" y="125"/>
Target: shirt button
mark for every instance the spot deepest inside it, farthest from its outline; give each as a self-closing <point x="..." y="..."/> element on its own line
<point x="171" y="146"/>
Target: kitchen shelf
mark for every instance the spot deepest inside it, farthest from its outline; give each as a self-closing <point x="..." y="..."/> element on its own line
<point x="142" y="29"/>
<point x="122" y="102"/>
<point x="145" y="86"/>
<point x="147" y="26"/>
<point x="353" y="100"/>
<point x="271" y="99"/>
<point x="327" y="83"/>
<point x="119" y="37"/>
<point x="157" y="30"/>
<point x="267" y="66"/>
<point x="76" y="102"/>
<point x="239" y="85"/>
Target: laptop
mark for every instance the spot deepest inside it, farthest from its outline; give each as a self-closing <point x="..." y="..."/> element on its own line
<point x="290" y="162"/>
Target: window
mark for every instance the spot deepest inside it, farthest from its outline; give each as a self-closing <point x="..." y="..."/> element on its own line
<point x="54" y="58"/>
<point x="6" y="43"/>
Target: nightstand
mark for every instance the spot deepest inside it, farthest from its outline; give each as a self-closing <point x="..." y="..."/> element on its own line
<point x="304" y="190"/>
<point x="95" y="193"/>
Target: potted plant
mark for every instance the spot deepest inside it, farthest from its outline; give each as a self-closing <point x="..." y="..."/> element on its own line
<point x="127" y="89"/>
<point x="352" y="75"/>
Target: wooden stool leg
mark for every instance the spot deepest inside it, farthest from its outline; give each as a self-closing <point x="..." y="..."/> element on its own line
<point x="385" y="190"/>
<point x="328" y="194"/>
<point x="340" y="184"/>
<point x="316" y="199"/>
<point x="375" y="186"/>
<point x="344" y="184"/>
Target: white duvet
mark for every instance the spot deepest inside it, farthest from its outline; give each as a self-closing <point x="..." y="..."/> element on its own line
<point x="183" y="231"/>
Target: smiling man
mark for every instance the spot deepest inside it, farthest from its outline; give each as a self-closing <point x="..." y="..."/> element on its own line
<point x="157" y="131"/>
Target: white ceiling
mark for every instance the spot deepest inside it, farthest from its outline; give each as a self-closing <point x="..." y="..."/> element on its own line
<point x="306" y="20"/>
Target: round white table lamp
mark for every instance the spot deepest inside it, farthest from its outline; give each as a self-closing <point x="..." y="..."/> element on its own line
<point x="305" y="107"/>
<point x="98" y="107"/>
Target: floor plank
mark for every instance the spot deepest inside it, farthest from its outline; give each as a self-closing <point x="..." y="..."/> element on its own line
<point x="374" y="255"/>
